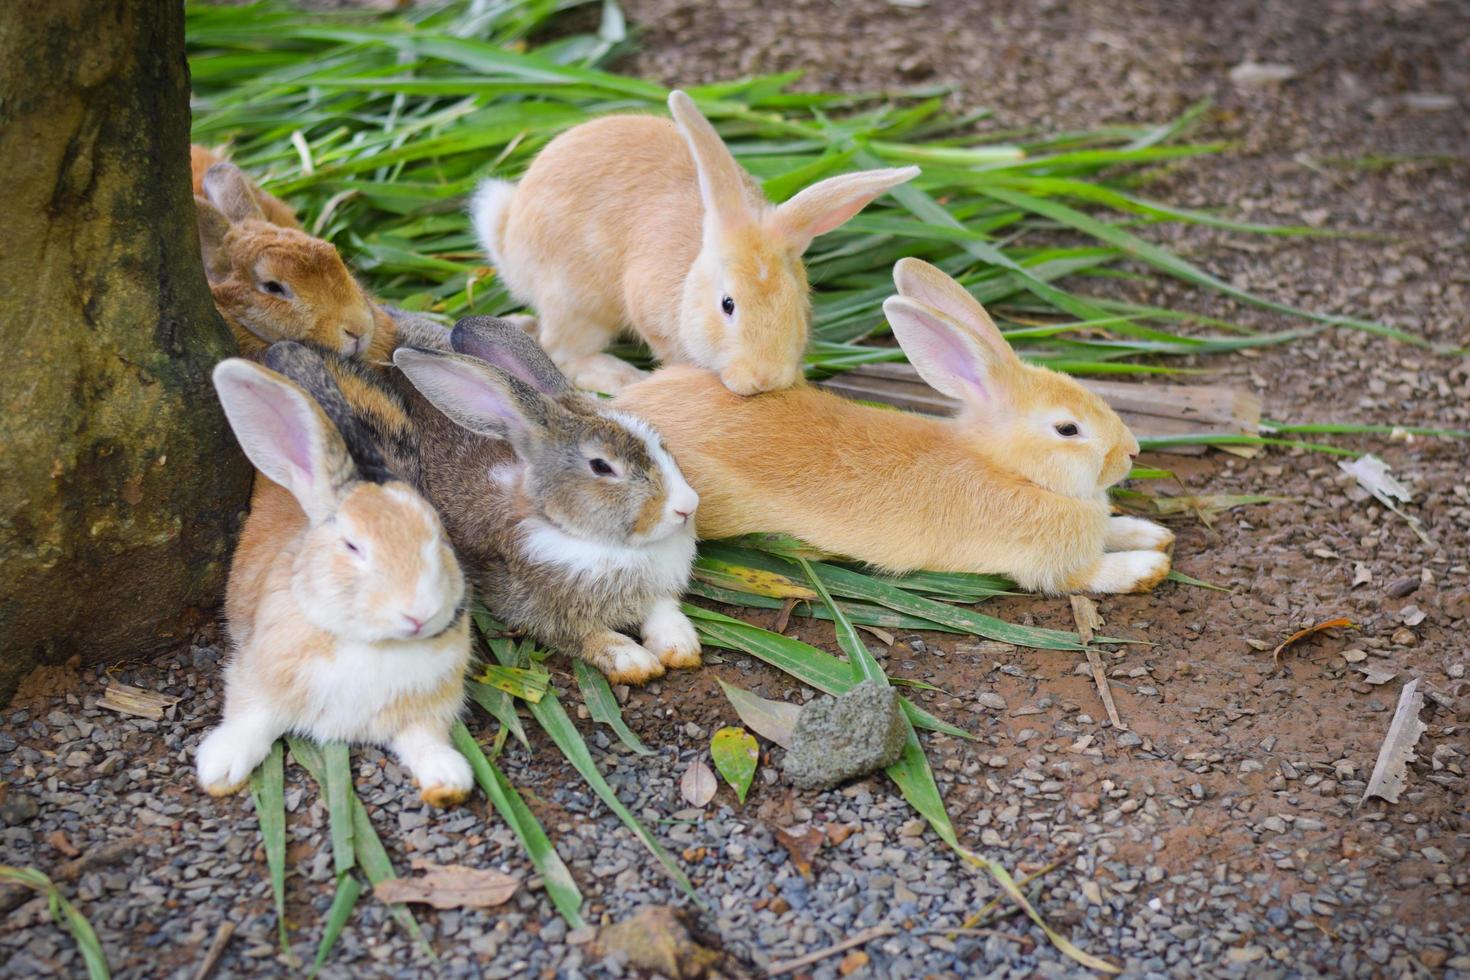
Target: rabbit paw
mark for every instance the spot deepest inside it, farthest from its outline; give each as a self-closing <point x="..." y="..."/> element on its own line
<point x="1128" y="571"/>
<point x="1136" y="534"/>
<point x="443" y="776"/>
<point x="622" y="660"/>
<point x="603" y="373"/>
<point x="668" y="634"/>
<point x="228" y="755"/>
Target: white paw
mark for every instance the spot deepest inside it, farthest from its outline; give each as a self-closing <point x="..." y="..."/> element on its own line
<point x="225" y="761"/>
<point x="1129" y="571"/>
<point x="631" y="663"/>
<point x="670" y="636"/>
<point x="605" y="374"/>
<point x="443" y="775"/>
<point x="1136" y="534"/>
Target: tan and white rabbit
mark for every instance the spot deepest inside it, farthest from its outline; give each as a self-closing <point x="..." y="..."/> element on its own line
<point x="1015" y="484"/>
<point x="346" y="605"/>
<point x="573" y="521"/>
<point x="640" y="223"/>
<point x="273" y="282"/>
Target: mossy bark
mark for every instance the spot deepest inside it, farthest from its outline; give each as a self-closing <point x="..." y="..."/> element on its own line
<point x="122" y="485"/>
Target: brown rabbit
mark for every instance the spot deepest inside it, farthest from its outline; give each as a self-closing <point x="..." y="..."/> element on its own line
<point x="272" y="282"/>
<point x="276" y="211"/>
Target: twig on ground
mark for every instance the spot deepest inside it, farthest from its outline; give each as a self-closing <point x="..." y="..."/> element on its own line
<point x="216" y="950"/>
<point x="1013" y="937"/>
<point x="857" y="939"/>
<point x="783" y="618"/>
<point x="1084" y="613"/>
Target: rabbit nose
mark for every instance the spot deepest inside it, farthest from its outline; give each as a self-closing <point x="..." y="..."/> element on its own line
<point x="683" y="515"/>
<point x="415" y="622"/>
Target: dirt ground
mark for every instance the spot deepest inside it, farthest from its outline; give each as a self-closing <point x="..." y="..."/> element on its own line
<point x="1232" y="767"/>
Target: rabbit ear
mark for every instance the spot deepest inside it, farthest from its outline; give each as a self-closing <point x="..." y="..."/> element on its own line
<point x="945" y="354"/>
<point x="508" y="347"/>
<point x="213" y="227"/>
<point x="285" y="434"/>
<point x="476" y="396"/>
<point x="307" y="368"/>
<point x="721" y="179"/>
<point x="926" y="284"/>
<point x="828" y="203"/>
<point x="229" y="189"/>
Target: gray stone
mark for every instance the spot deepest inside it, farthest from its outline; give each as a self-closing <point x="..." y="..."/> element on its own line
<point x="841" y="738"/>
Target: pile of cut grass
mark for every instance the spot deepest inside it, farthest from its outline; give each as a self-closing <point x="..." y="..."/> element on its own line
<point x="377" y="127"/>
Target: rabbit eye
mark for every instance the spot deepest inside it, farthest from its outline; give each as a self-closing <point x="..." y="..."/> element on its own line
<point x="727" y="305"/>
<point x="273" y="287"/>
<point x="1066" y="429"/>
<point x="602" y="467"/>
<point x="351" y="547"/>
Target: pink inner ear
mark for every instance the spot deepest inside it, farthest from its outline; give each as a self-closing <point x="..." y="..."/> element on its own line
<point x="511" y="366"/>
<point x="279" y="420"/>
<point x="476" y="397"/>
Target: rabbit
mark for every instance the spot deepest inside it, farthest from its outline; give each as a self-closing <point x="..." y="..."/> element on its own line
<point x="572" y="519"/>
<point x="272" y="283"/>
<point x="1015" y="484"/>
<point x="642" y="223"/>
<point x="346" y="605"/>
<point x="276" y="211"/>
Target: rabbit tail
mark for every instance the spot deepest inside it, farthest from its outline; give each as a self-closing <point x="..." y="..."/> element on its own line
<point x="487" y="213"/>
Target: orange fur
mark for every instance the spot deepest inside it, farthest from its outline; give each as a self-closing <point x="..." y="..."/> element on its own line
<point x="277" y="212"/>
<point x="644" y="224"/>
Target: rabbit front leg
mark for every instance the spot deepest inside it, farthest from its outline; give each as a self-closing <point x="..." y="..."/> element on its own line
<point x="230" y="753"/>
<point x="443" y="776"/>
<point x="1136" y="534"/>
<point x="576" y="339"/>
<point x="619" y="658"/>
<point x="669" y="635"/>
<point x="1123" y="571"/>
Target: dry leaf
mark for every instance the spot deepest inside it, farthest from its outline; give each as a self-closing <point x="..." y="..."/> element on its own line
<point x="774" y="720"/>
<point x="884" y="637"/>
<point x="803" y="841"/>
<point x="1372" y="475"/>
<point x="698" y="784"/>
<point x="1376" y="674"/>
<point x="666" y="941"/>
<point x="57" y="839"/>
<point x="1412" y="615"/>
<point x="449" y="886"/>
<point x="1331" y="624"/>
<point x="1391" y="770"/>
<point x="1362" y="575"/>
<point x="852" y="962"/>
<point x="129" y="700"/>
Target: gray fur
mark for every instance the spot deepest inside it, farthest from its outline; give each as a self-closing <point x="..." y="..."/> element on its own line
<point x="508" y="347"/>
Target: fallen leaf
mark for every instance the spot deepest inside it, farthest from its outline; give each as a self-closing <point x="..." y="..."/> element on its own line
<point x="698" y="783"/>
<point x="1391" y="770"/>
<point x="802" y="841"/>
<point x="1412" y="615"/>
<point x="735" y="754"/>
<point x="1084" y="612"/>
<point x="1362" y="575"/>
<point x="775" y="720"/>
<point x="884" y="637"/>
<point x="449" y="886"/>
<point x="840" y="832"/>
<point x="752" y="581"/>
<point x="665" y="941"/>
<point x="128" y="700"/>
<point x="57" y="839"/>
<point x="1376" y="674"/>
<point x="1372" y="475"/>
<point x="1331" y="624"/>
<point x="852" y="962"/>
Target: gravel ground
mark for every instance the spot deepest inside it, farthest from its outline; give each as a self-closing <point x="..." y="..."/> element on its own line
<point x="1220" y="836"/>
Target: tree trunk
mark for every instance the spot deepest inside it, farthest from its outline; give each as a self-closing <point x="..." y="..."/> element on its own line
<point x="122" y="484"/>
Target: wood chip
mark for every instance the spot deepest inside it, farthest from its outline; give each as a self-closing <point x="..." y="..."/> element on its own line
<point x="449" y="886"/>
<point x="1391" y="771"/>
<point x="129" y="700"/>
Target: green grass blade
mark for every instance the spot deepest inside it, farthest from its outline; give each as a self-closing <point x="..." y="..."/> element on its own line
<point x="555" y="722"/>
<point x="558" y="880"/>
<point x="368" y="850"/>
<point x="859" y="657"/>
<point x="65" y="914"/>
<point x="337" y="767"/>
<point x="268" y="789"/>
<point x="500" y="707"/>
<point x="603" y="706"/>
<point x="528" y="685"/>
<point x="343" y="902"/>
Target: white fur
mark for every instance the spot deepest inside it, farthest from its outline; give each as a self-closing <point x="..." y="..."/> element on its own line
<point x="663" y="564"/>
<point x="630" y="658"/>
<point x="487" y="214"/>
<point x="1136" y="534"/>
<point x="436" y="765"/>
<point x="1124" y="571"/>
<point x="669" y="634"/>
<point x="346" y="692"/>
